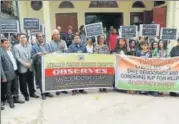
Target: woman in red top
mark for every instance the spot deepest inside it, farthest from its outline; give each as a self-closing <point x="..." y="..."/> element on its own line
<point x="113" y="39"/>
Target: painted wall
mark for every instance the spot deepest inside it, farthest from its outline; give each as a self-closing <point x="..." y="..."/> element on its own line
<point x="81" y="7"/>
<point x="25" y="11"/>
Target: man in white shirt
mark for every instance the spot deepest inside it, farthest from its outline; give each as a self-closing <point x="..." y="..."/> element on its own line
<point x="9" y="70"/>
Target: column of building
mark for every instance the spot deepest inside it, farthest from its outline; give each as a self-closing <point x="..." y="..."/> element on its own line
<point x="172" y="14"/>
<point x="47" y="20"/>
<point x="172" y="18"/>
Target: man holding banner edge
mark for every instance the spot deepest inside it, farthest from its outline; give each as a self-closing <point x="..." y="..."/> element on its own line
<point x="174" y="53"/>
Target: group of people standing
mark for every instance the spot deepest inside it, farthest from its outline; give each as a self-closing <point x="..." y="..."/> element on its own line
<point x="21" y="62"/>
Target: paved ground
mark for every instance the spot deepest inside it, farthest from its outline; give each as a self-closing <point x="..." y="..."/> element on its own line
<point x="95" y="108"/>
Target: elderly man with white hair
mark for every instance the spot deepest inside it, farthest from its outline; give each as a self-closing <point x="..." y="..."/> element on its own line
<point x="58" y="45"/>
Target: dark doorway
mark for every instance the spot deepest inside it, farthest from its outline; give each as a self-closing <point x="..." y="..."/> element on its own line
<point x="108" y="19"/>
<point x="158" y="3"/>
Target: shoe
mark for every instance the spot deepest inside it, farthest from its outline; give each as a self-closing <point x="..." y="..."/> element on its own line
<point x="11" y="104"/>
<point x="174" y="94"/>
<point x="83" y="91"/>
<point x="57" y="93"/>
<point x="44" y="97"/>
<point x="49" y="95"/>
<point x="100" y="90"/>
<point x="26" y="99"/>
<point x="155" y="94"/>
<point x="34" y="96"/>
<point x="18" y="101"/>
<point x="143" y="93"/>
<point x="105" y="90"/>
<point x="74" y="92"/>
<point x="122" y="91"/>
<point x="2" y="108"/>
<point x="64" y="92"/>
<point x="131" y="91"/>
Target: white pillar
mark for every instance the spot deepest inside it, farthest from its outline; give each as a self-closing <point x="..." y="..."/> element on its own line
<point x="81" y="18"/>
<point x="47" y="21"/>
<point x="172" y="19"/>
<point x="126" y="18"/>
<point x="176" y="14"/>
<point x="170" y="13"/>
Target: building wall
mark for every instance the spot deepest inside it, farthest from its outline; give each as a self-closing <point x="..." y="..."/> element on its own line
<point x="10" y="6"/>
<point x="25" y="11"/>
<point x="173" y="18"/>
<point x="80" y="7"/>
<point x="172" y="14"/>
<point x="83" y="6"/>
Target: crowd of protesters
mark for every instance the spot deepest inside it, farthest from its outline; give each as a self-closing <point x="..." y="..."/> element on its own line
<point x="21" y="60"/>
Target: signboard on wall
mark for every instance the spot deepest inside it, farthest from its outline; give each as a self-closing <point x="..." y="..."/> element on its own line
<point x="9" y="26"/>
<point x="31" y="23"/>
<point x="128" y="31"/>
<point x="94" y="29"/>
<point x="168" y="34"/>
<point x="150" y="30"/>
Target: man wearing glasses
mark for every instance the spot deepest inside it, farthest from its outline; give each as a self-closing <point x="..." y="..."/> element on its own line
<point x="24" y="59"/>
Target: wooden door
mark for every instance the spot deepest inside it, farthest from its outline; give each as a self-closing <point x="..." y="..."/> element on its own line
<point x="159" y="16"/>
<point x="148" y="17"/>
<point x="66" y="19"/>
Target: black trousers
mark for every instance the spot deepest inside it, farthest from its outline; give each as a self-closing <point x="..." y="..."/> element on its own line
<point x="38" y="75"/>
<point x="11" y="89"/>
<point x="27" y="83"/>
<point x="3" y="91"/>
<point x="36" y="68"/>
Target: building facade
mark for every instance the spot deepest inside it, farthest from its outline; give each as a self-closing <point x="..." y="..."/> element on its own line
<point x="10" y="11"/>
<point x="116" y="13"/>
